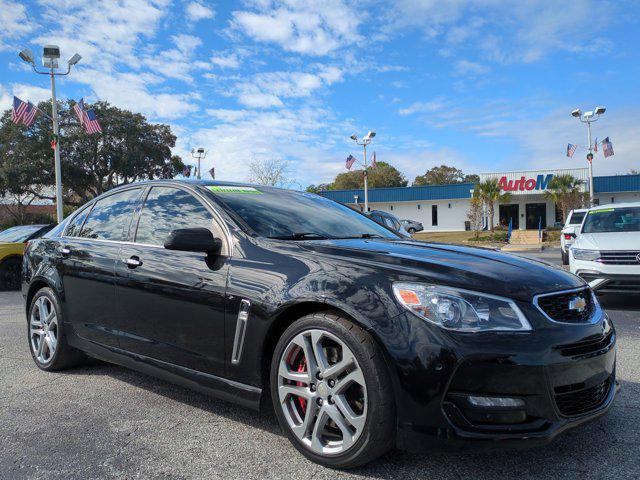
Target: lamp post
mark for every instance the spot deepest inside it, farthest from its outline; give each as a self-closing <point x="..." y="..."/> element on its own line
<point x="198" y="154"/>
<point x="364" y="142"/>
<point x="588" y="118"/>
<point x="50" y="56"/>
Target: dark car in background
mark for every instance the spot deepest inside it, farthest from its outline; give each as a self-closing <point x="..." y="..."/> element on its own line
<point x="360" y="339"/>
<point x="412" y="226"/>
<point x="388" y="220"/>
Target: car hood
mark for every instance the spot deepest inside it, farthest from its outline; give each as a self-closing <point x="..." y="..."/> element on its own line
<point x="472" y="268"/>
<point x="609" y="241"/>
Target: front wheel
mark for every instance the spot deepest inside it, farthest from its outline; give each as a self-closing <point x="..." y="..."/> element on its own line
<point x="412" y="230"/>
<point x="331" y="391"/>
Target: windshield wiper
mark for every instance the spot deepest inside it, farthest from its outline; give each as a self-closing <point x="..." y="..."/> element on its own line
<point x="302" y="236"/>
<point x="364" y="235"/>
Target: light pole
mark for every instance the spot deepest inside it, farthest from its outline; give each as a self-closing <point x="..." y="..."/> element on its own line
<point x="50" y="56"/>
<point x="198" y="154"/>
<point x="588" y="118"/>
<point x="365" y="141"/>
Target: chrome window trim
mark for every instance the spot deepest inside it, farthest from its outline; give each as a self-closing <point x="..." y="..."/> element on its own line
<point x="595" y="316"/>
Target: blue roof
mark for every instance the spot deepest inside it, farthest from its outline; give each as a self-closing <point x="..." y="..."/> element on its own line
<point x="403" y="194"/>
<point x="612" y="183"/>
<point x="617" y="183"/>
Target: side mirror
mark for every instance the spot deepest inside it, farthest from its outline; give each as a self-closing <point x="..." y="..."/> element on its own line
<point x="193" y="240"/>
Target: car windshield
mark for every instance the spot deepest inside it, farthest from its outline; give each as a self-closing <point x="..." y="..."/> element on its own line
<point x="612" y="220"/>
<point x="576" y="218"/>
<point x="288" y="215"/>
<point x="18" y="234"/>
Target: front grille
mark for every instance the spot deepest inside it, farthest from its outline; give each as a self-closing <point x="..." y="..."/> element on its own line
<point x="595" y="345"/>
<point x="620" y="257"/>
<point x="571" y="401"/>
<point x="557" y="306"/>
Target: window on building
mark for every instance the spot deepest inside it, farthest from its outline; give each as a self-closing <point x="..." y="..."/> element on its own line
<point x="434" y="215"/>
<point x="391" y="206"/>
<point x="418" y="206"/>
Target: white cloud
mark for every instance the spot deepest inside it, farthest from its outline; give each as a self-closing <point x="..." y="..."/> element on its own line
<point x="228" y="60"/>
<point x="195" y="11"/>
<point x="268" y="89"/>
<point x="15" y="23"/>
<point x="465" y="67"/>
<point x="312" y="28"/>
<point x="423" y="107"/>
<point x="23" y="92"/>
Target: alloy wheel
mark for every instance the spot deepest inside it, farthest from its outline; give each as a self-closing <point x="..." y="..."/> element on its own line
<point x="322" y="392"/>
<point x="43" y="330"/>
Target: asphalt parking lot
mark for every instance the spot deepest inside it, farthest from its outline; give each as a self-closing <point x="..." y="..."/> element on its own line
<point x="103" y="421"/>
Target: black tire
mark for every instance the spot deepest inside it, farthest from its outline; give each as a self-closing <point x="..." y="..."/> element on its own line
<point x="565" y="258"/>
<point x="65" y="356"/>
<point x="10" y="274"/>
<point x="412" y="230"/>
<point x="378" y="434"/>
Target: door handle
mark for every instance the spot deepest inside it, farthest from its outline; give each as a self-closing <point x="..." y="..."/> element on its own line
<point x="132" y="262"/>
<point x="65" y="250"/>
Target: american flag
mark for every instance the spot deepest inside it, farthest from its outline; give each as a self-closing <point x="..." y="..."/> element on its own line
<point x="79" y="109"/>
<point x="350" y="161"/>
<point x="607" y="147"/>
<point x="30" y="115"/>
<point x="20" y="108"/>
<point x="571" y="148"/>
<point x="374" y="163"/>
<point x="186" y="171"/>
<point x="91" y="122"/>
<point x="595" y="145"/>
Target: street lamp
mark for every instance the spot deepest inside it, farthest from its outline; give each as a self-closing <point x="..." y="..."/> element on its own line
<point x="365" y="141"/>
<point x="588" y="118"/>
<point x="198" y="154"/>
<point x="50" y="56"/>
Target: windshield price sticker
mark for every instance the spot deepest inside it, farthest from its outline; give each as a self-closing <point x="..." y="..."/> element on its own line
<point x="232" y="189"/>
<point x="604" y="210"/>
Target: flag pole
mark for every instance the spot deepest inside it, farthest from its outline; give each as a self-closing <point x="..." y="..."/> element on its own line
<point x="591" y="198"/>
<point x="366" y="191"/>
<point x="56" y="149"/>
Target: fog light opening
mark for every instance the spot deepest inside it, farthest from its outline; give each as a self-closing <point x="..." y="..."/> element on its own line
<point x="495" y="402"/>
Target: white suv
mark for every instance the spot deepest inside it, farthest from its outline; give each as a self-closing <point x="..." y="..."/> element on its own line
<point x="606" y="252"/>
<point x="570" y="231"/>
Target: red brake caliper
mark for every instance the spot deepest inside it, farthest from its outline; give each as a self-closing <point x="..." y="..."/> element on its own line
<point x="302" y="367"/>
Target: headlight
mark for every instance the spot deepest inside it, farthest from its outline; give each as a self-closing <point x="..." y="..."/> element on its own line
<point x="461" y="310"/>
<point x="590" y="255"/>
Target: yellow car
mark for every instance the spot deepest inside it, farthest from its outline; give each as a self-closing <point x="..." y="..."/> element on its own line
<point x="12" y="243"/>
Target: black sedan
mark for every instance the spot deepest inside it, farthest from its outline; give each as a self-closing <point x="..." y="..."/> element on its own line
<point x="360" y="339"/>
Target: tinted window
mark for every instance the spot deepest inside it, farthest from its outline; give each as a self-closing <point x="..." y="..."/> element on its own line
<point x="167" y="209"/>
<point x="612" y="220"/>
<point x="272" y="212"/>
<point x="576" y="218"/>
<point x="110" y="215"/>
<point x="73" y="230"/>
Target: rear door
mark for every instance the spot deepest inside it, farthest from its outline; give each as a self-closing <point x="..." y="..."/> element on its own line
<point x="172" y="301"/>
<point x="89" y="250"/>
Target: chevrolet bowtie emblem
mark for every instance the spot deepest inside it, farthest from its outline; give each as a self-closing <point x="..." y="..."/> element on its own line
<point x="578" y="304"/>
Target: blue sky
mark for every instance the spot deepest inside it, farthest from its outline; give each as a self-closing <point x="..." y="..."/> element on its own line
<point x="485" y="85"/>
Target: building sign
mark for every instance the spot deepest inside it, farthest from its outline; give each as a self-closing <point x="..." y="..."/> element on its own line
<point x="526" y="184"/>
<point x="534" y="182"/>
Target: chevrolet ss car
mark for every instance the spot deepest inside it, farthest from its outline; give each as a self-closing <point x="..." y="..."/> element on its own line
<point x="12" y="244"/>
<point x="361" y="340"/>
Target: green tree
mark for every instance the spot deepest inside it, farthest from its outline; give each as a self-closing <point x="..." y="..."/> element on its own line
<point x="318" y="188"/>
<point x="564" y="190"/>
<point x="489" y="192"/>
<point x="444" y="175"/>
<point x="128" y="149"/>
<point x="383" y="175"/>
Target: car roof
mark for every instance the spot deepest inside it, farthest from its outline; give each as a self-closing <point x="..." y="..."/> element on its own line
<point x="579" y="210"/>
<point x="616" y="205"/>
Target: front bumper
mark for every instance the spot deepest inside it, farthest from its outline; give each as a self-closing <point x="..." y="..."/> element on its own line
<point x="611" y="282"/>
<point x="565" y="376"/>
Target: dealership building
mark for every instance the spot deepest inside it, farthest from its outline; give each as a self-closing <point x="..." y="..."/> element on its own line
<point x="445" y="207"/>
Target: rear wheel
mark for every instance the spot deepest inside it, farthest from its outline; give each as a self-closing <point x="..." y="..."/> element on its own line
<point x="331" y="391"/>
<point x="46" y="335"/>
<point x="412" y="230"/>
<point x="10" y="271"/>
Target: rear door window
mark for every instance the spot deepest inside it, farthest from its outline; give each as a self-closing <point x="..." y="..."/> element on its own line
<point x="110" y="215"/>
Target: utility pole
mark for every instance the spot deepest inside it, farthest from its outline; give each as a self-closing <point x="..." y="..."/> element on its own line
<point x="50" y="56"/>
<point x="365" y="141"/>
<point x="589" y="118"/>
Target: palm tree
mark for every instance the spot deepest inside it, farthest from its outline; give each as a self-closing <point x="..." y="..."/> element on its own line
<point x="489" y="192"/>
<point x="564" y="190"/>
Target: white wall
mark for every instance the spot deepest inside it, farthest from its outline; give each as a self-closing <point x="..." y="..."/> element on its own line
<point x="621" y="197"/>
